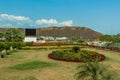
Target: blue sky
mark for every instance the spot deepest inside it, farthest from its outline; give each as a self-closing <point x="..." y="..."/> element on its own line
<point x="100" y="15"/>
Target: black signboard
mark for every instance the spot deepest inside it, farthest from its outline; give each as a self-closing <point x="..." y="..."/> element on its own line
<point x="30" y="32"/>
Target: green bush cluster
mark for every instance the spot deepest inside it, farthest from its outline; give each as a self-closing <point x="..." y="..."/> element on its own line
<point x="70" y="54"/>
<point x="75" y="49"/>
<point x="6" y="47"/>
<point x="67" y="54"/>
<point x="4" y="54"/>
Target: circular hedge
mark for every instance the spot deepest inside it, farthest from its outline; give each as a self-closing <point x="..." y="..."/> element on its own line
<point x="79" y="56"/>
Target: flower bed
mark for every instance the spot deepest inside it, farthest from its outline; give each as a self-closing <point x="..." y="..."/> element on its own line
<point x="81" y="56"/>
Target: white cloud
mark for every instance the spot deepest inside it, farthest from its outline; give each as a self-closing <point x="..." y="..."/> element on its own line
<point x="12" y="17"/>
<point x="46" y="22"/>
<point x="7" y="20"/>
<point x="67" y="23"/>
<point x="52" y="22"/>
<point x="15" y="21"/>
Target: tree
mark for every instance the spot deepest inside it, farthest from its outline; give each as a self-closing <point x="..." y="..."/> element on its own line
<point x="1" y="49"/>
<point x="107" y="38"/>
<point x="92" y="71"/>
<point x="80" y="41"/>
<point x="2" y="46"/>
<point x="13" y="35"/>
<point x="7" y="46"/>
<point x="73" y="39"/>
<point x="1" y="35"/>
<point x="110" y="39"/>
<point x="116" y="38"/>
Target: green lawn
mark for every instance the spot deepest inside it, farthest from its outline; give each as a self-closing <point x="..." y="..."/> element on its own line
<point x="31" y="65"/>
<point x="35" y="65"/>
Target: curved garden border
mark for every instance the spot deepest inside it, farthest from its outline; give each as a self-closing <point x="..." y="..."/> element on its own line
<point x="101" y="58"/>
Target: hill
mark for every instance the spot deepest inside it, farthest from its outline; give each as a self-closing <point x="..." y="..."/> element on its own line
<point x="5" y="29"/>
<point x="74" y="31"/>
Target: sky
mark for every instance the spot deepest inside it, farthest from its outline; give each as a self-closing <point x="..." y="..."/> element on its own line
<point x="100" y="15"/>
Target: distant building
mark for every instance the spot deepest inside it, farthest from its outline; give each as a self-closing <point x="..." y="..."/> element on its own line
<point x="61" y="38"/>
<point x="2" y="39"/>
<point x="30" y="39"/>
<point x="47" y="38"/>
<point x="41" y="39"/>
<point x="30" y="35"/>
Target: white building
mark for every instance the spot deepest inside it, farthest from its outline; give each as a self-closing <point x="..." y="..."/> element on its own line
<point x="61" y="38"/>
<point x="30" y="35"/>
<point x="30" y="39"/>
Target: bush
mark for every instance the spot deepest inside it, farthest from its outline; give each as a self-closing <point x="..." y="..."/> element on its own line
<point x="29" y="43"/>
<point x="3" y="55"/>
<point x="93" y="71"/>
<point x="2" y="46"/>
<point x="75" y="49"/>
<point x="68" y="55"/>
<point x="19" y="45"/>
<point x="58" y="54"/>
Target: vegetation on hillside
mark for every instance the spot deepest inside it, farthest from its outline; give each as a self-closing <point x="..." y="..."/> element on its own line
<point x="77" y="32"/>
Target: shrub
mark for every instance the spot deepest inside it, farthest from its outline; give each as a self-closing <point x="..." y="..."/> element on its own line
<point x="83" y="55"/>
<point x="29" y="43"/>
<point x="3" y="55"/>
<point x="2" y="46"/>
<point x="58" y="54"/>
<point x="7" y="45"/>
<point x="15" y="45"/>
<point x="93" y="71"/>
<point x="75" y="49"/>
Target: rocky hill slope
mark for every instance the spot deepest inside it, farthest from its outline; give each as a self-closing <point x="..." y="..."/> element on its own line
<point x="74" y="31"/>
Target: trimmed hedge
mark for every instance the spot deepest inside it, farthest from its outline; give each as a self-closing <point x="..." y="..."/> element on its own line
<point x="47" y="47"/>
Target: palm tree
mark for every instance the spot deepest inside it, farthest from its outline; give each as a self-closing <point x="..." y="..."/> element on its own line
<point x="92" y="71"/>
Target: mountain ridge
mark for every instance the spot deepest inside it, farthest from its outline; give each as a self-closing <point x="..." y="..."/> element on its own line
<point x="65" y="31"/>
<point x="72" y="31"/>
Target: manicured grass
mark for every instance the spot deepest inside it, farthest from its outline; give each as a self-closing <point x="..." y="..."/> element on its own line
<point x="52" y="69"/>
<point x="32" y="65"/>
<point x="29" y="78"/>
<point x="108" y="59"/>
